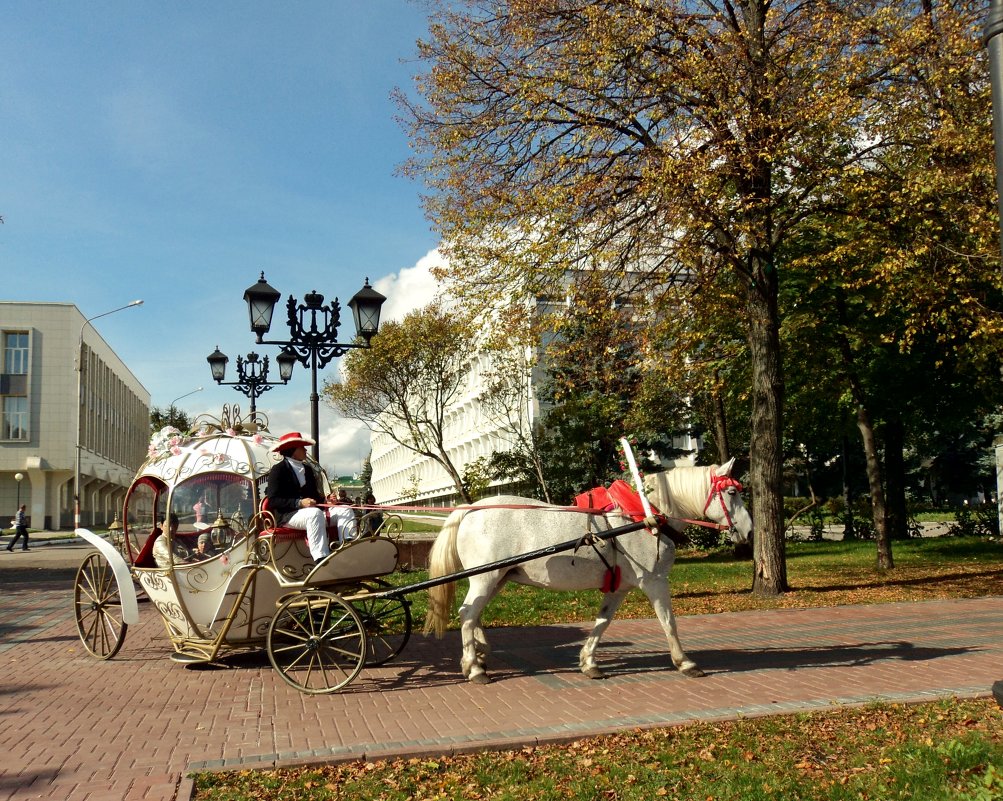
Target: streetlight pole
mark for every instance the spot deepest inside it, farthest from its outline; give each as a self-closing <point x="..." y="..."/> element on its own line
<point x="170" y="409"/>
<point x="252" y="375"/>
<point x="19" y="477"/>
<point x="992" y="38"/>
<point x="80" y="403"/>
<point x="313" y="328"/>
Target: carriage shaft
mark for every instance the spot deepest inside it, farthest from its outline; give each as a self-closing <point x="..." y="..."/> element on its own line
<point x="650" y="523"/>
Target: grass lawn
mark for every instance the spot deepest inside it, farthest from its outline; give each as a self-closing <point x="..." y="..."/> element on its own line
<point x="942" y="750"/>
<point x="819" y="573"/>
<point x="928" y="752"/>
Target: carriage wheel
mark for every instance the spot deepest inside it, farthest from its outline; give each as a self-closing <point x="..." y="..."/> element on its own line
<point x="98" y="607"/>
<point x="387" y="622"/>
<point x="316" y="642"/>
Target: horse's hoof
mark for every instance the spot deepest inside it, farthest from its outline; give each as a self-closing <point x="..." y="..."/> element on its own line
<point x="594" y="673"/>
<point x="692" y="671"/>
<point x="480" y="678"/>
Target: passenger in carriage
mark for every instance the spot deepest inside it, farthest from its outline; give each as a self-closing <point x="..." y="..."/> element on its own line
<point x="205" y="548"/>
<point x="294" y="496"/>
<point x="182" y="545"/>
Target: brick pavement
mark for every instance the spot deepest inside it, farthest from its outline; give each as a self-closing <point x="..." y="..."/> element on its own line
<point x="80" y="729"/>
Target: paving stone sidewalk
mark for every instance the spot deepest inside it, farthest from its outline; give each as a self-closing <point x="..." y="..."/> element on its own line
<point x="79" y="729"/>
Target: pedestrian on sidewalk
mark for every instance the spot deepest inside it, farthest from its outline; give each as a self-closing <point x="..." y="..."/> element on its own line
<point x="20" y="529"/>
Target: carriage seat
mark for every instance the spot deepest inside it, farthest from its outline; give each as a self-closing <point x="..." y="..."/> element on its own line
<point x="145" y="556"/>
<point x="279" y="533"/>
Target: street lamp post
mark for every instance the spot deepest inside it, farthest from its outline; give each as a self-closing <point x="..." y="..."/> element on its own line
<point x="19" y="477"/>
<point x="992" y="38"/>
<point x="313" y="329"/>
<point x="170" y="408"/>
<point x="252" y="375"/>
<point x="80" y="404"/>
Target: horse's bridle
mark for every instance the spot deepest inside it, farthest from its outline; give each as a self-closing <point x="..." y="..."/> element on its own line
<point x="718" y="484"/>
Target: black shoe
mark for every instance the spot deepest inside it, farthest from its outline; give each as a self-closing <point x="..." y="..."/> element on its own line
<point x="11" y="550"/>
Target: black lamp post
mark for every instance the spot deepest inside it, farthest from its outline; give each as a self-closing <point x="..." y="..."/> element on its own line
<point x="992" y="38"/>
<point x="252" y="375"/>
<point x="313" y="329"/>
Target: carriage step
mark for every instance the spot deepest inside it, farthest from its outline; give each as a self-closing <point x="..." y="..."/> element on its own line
<point x="190" y="659"/>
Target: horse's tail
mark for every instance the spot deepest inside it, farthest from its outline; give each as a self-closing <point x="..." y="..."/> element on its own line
<point x="443" y="560"/>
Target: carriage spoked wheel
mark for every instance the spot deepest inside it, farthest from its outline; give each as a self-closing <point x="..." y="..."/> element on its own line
<point x="98" y="607"/>
<point x="316" y="642"/>
<point x="387" y="622"/>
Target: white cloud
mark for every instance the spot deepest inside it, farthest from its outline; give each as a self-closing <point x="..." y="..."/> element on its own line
<point x="411" y="288"/>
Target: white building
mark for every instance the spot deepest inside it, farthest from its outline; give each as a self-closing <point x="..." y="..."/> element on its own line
<point x="41" y="413"/>
<point x="401" y="476"/>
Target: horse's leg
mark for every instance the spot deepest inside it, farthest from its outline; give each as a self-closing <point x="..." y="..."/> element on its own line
<point x="482" y="589"/>
<point x="481" y="645"/>
<point x="586" y="658"/>
<point x="657" y="590"/>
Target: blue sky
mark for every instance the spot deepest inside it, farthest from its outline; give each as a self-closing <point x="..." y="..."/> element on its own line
<point x="173" y="151"/>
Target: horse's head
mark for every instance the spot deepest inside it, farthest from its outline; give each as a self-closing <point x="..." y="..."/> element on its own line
<point x="724" y="504"/>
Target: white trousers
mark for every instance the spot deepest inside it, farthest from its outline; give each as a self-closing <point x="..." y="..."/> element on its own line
<point x="314" y="520"/>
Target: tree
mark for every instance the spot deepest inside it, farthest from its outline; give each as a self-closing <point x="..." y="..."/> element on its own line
<point x="171" y="416"/>
<point x="506" y="403"/>
<point x="650" y="135"/>
<point x="366" y="474"/>
<point x="900" y="280"/>
<point x="599" y="389"/>
<point x="406" y="383"/>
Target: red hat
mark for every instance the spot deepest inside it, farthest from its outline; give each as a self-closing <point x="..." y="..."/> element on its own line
<point x="290" y="441"/>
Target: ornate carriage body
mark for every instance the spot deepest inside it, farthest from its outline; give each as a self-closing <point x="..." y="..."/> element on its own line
<point x="223" y="576"/>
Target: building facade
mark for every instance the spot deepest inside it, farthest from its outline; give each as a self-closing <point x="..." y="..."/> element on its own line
<point x="63" y="389"/>
<point x="402" y="476"/>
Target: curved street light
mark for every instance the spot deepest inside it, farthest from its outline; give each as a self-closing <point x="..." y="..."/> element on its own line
<point x="170" y="408"/>
<point x="313" y="328"/>
<point x="80" y="403"/>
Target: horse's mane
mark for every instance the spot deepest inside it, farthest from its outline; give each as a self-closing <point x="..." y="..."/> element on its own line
<point x="680" y="491"/>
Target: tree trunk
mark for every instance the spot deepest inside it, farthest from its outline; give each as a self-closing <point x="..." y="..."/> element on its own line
<point x="895" y="480"/>
<point x="766" y="456"/>
<point x="849" y="532"/>
<point x="877" y="489"/>
<point x="720" y="423"/>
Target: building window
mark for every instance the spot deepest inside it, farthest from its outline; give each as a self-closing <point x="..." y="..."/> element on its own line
<point x="15" y="353"/>
<point x="15" y="418"/>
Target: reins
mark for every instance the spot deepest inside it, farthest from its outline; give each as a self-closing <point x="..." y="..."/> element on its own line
<point x="525" y="506"/>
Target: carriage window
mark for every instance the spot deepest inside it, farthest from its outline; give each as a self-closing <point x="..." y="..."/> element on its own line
<point x="200" y="501"/>
<point x="141" y="514"/>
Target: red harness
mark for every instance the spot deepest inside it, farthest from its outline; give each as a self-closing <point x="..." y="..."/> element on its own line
<point x="718" y="484"/>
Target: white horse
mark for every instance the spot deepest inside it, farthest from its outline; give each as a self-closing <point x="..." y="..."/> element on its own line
<point x="502" y="527"/>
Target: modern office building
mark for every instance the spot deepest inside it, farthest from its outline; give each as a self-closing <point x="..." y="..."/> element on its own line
<point x="64" y="390"/>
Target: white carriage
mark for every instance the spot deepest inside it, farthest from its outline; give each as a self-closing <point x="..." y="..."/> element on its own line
<point x="227" y="578"/>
